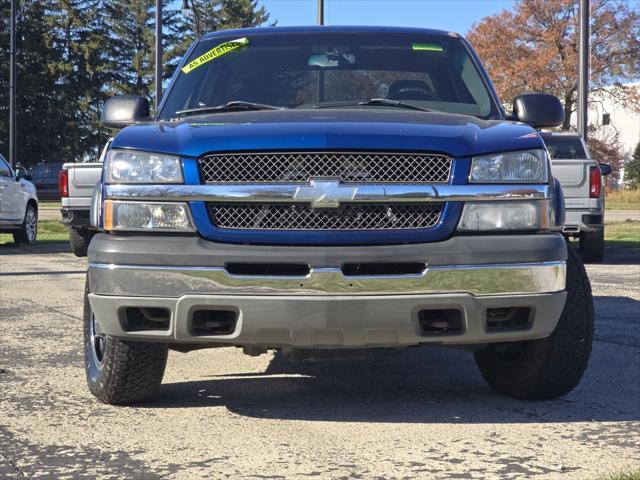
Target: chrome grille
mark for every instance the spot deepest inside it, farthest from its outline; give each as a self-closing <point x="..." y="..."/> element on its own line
<point x="302" y="217"/>
<point x="352" y="167"/>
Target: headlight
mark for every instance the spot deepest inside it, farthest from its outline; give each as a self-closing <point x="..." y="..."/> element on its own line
<point x="498" y="216"/>
<point x="527" y="166"/>
<point x="146" y="216"/>
<point x="131" y="166"/>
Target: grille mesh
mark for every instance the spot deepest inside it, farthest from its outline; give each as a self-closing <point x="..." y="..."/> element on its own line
<point x="303" y="217"/>
<point x="353" y="167"/>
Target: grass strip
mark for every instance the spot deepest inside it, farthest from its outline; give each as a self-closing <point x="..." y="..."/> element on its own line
<point x="48" y="231"/>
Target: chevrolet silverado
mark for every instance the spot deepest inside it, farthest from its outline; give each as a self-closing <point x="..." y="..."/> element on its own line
<point x="319" y="189"/>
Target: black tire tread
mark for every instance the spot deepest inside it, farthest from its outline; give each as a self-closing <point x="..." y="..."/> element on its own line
<point x="132" y="371"/>
<point x="553" y="366"/>
<point x="79" y="240"/>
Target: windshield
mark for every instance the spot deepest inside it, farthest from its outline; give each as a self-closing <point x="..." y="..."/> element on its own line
<point x="565" y="147"/>
<point x="303" y="70"/>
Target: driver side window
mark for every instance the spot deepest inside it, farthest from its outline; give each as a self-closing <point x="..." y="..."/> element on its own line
<point x="5" y="170"/>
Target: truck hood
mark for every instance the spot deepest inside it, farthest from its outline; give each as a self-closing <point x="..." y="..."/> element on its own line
<point x="333" y="129"/>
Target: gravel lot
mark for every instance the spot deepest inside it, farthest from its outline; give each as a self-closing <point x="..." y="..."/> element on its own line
<point x="416" y="413"/>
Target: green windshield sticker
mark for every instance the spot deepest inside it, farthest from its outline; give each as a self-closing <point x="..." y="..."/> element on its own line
<point x="427" y="47"/>
<point x="216" y="52"/>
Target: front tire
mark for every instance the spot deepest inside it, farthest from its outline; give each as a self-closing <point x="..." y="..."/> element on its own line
<point x="79" y="240"/>
<point x="592" y="246"/>
<point x="550" y="367"/>
<point x="29" y="228"/>
<point x="120" y="372"/>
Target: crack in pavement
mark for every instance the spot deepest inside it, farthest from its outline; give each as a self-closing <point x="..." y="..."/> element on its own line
<point x="12" y="463"/>
<point x="47" y="307"/>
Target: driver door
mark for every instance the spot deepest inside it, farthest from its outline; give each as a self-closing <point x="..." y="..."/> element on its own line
<point x="10" y="195"/>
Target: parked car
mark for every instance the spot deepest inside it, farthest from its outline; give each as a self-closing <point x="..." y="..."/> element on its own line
<point x="45" y="178"/>
<point x="316" y="189"/>
<point x="581" y="179"/>
<point x="76" y="184"/>
<point x="18" y="204"/>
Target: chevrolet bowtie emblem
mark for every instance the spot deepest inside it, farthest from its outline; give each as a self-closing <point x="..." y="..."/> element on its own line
<point x="325" y="193"/>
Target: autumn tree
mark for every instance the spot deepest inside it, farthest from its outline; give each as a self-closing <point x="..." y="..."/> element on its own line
<point x="605" y="146"/>
<point x="534" y="47"/>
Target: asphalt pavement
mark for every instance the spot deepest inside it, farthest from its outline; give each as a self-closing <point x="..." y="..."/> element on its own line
<point x="411" y="413"/>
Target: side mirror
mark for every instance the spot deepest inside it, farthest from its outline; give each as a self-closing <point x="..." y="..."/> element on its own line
<point x="539" y="110"/>
<point x="21" y="173"/>
<point x="605" y="169"/>
<point x="123" y="110"/>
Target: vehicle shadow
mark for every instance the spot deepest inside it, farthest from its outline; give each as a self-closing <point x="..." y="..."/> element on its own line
<point x="41" y="247"/>
<point x="618" y="323"/>
<point x="622" y="253"/>
<point x="414" y="385"/>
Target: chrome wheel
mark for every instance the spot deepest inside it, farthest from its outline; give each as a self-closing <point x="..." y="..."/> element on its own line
<point x="31" y="224"/>
<point x="98" y="343"/>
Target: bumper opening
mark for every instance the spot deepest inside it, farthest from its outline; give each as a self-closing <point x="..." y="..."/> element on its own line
<point x="138" y="319"/>
<point x="268" y="269"/>
<point x="444" y="321"/>
<point x="367" y="269"/>
<point x="213" y="322"/>
<point x="508" y="318"/>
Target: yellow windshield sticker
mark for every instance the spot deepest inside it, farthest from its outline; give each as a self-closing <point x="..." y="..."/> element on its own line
<point x="216" y="52"/>
<point x="427" y="47"/>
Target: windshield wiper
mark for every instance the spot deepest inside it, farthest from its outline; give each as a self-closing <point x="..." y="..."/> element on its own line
<point x="386" y="102"/>
<point x="231" y="106"/>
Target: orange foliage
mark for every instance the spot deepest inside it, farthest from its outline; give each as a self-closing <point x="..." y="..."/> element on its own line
<point x="534" y="47"/>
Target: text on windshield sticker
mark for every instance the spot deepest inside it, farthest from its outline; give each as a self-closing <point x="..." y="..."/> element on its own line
<point x="215" y="52"/>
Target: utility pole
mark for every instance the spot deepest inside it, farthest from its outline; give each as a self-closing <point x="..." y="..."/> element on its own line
<point x="12" y="87"/>
<point x="320" y="12"/>
<point x="583" y="69"/>
<point x="158" y="62"/>
<point x="320" y="72"/>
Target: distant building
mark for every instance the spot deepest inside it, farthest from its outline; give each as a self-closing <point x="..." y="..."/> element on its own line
<point x="625" y="121"/>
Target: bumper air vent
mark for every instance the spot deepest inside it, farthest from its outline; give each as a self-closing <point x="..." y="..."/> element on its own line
<point x="213" y="322"/>
<point x="435" y="322"/>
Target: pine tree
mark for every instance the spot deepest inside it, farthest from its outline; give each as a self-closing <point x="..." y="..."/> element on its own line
<point x="206" y="16"/>
<point x="39" y="99"/>
<point x="73" y="54"/>
<point x="632" y="169"/>
<point x="131" y="26"/>
<point x="79" y="33"/>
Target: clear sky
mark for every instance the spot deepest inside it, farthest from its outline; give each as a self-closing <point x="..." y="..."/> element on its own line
<point x="452" y="15"/>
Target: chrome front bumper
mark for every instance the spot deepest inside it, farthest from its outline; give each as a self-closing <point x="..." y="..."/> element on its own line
<point x="327" y="309"/>
<point x="477" y="280"/>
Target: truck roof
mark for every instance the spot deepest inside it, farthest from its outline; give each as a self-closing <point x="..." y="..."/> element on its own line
<point x="325" y="28"/>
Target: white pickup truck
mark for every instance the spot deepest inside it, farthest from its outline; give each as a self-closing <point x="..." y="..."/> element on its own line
<point x="581" y="179"/>
<point x="77" y="181"/>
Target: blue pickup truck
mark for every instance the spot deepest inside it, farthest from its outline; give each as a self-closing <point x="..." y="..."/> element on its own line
<point x="316" y="189"/>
